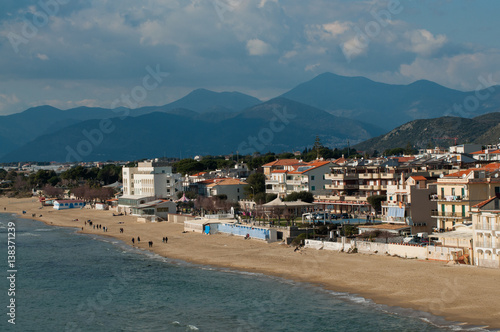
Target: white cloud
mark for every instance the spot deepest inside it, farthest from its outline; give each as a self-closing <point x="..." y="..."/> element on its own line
<point x="461" y="71"/>
<point x="312" y="67"/>
<point x="7" y="102"/>
<point x="424" y="42"/>
<point x="336" y="28"/>
<point x="42" y="57"/>
<point x="354" y="47"/>
<point x="258" y="47"/>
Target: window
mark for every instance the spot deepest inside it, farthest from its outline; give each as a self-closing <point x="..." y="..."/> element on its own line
<point x="312" y="177"/>
<point x="313" y="187"/>
<point x="442" y="208"/>
<point x="463" y="210"/>
<point x="453" y="208"/>
<point x="442" y="192"/>
<point x="452" y="191"/>
<point x="463" y="192"/>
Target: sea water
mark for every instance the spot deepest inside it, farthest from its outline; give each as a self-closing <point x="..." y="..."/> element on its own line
<point x="74" y="282"/>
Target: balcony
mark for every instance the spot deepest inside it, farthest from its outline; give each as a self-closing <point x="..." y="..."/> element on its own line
<point x="369" y="176"/>
<point x="294" y="182"/>
<point x="366" y="187"/>
<point x="273" y="182"/>
<point x="483" y="227"/>
<point x="454" y="215"/>
<point x="341" y="176"/>
<point x="448" y="198"/>
<point x="341" y="186"/>
<point x="389" y="175"/>
<point x="276" y="191"/>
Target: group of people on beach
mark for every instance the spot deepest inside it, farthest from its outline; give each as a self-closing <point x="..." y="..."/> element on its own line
<point x="98" y="226"/>
<point x="150" y="243"/>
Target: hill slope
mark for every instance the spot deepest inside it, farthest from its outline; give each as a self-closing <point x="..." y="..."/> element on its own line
<point x="484" y="129"/>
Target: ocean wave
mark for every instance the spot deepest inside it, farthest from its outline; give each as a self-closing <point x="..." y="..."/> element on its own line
<point x="26" y="234"/>
<point x="426" y="317"/>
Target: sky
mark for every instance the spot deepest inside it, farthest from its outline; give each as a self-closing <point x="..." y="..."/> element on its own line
<point x="70" y="53"/>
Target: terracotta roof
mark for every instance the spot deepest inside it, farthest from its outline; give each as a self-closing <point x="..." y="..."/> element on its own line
<point x="497" y="151"/>
<point x="318" y="163"/>
<point x="227" y="182"/>
<point x="418" y="178"/>
<point x="404" y="159"/>
<point x="341" y="160"/>
<point x="314" y="165"/>
<point x="209" y="181"/>
<point x="199" y="174"/>
<point x="282" y="162"/>
<point x="492" y="166"/>
<point x="460" y="173"/>
<point x="483" y="203"/>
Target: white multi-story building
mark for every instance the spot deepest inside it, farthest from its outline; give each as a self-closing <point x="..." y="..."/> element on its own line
<point x="284" y="177"/>
<point x="486" y="233"/>
<point x="151" y="179"/>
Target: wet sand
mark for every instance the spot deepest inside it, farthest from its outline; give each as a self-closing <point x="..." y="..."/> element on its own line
<point x="459" y="293"/>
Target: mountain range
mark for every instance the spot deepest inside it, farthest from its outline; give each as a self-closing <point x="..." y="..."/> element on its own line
<point x="338" y="109"/>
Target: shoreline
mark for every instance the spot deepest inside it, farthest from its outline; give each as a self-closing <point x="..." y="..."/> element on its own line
<point x="459" y="294"/>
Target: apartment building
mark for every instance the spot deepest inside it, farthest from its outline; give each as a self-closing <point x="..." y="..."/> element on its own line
<point x="486" y="233"/>
<point x="410" y="203"/>
<point x="151" y="179"/>
<point x="286" y="176"/>
<point x="459" y="191"/>
<point x="232" y="188"/>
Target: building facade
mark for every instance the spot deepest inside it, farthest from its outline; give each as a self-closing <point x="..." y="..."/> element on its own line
<point x="286" y="176"/>
<point x="151" y="179"/>
<point x="458" y="192"/>
<point x="486" y="233"/>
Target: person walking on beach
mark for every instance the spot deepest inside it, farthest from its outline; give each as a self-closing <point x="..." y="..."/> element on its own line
<point x="138" y="239"/>
<point x="166" y="239"/>
<point x="163" y="240"/>
<point x="150" y="244"/>
<point x="133" y="240"/>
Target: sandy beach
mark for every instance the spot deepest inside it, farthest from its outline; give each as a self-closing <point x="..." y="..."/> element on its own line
<point x="459" y="293"/>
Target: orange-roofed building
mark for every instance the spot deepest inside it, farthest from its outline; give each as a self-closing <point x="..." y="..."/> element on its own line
<point x="232" y="188"/>
<point x="281" y="164"/>
<point x="491" y="153"/>
<point x="295" y="177"/>
<point x="458" y="192"/>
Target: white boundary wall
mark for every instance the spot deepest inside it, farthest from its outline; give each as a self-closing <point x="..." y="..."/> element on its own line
<point x="393" y="249"/>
